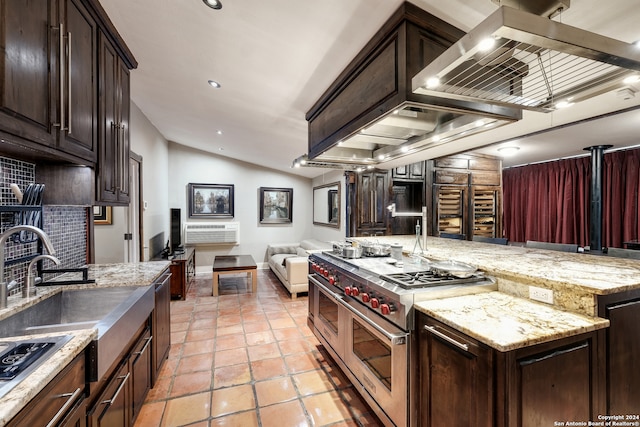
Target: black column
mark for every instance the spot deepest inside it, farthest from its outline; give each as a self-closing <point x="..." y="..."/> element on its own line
<point x="595" y="218"/>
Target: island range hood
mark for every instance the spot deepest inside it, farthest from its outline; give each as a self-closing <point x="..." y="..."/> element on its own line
<point x="370" y="114"/>
<point x="554" y="64"/>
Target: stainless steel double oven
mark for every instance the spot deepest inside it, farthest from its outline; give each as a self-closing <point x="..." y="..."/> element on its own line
<point x="373" y="352"/>
<point x="362" y="312"/>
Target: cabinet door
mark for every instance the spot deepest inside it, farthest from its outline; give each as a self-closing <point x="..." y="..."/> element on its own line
<point x="111" y="407"/>
<point x="79" y="96"/>
<point x="623" y="393"/>
<point x="556" y="382"/>
<point x="28" y="32"/>
<point x="140" y="372"/>
<point x="455" y="379"/>
<point x="161" y="324"/>
<point x="372" y="200"/>
<point x="112" y="179"/>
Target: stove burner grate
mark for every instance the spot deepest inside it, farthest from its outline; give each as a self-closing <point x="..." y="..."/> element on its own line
<point x="427" y="278"/>
<point x="18" y="359"/>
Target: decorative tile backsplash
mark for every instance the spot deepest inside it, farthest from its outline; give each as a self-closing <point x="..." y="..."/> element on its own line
<point x="66" y="226"/>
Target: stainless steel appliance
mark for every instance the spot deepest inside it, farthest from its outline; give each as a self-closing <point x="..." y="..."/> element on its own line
<point x="361" y="310"/>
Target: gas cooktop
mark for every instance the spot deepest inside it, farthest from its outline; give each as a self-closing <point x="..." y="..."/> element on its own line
<point x="425" y="279"/>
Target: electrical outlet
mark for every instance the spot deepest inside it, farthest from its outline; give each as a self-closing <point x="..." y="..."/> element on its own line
<point x="541" y="294"/>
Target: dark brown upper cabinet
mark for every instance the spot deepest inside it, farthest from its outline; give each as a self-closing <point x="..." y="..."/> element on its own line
<point x="48" y="87"/>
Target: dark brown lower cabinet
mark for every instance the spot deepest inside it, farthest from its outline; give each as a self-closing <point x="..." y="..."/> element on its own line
<point x="464" y="382"/>
<point x="61" y="403"/>
<point x="623" y="351"/>
<point x="111" y="408"/>
<point x="456" y="382"/>
<point x="161" y="327"/>
<point x="118" y="403"/>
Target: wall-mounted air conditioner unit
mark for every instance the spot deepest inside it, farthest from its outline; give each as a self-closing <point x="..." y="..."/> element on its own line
<point x="201" y="233"/>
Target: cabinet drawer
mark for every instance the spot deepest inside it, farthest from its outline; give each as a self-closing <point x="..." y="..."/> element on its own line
<point x="485" y="178"/>
<point x="451" y="162"/>
<point x="450" y="177"/>
<point x="485" y="164"/>
<point x="58" y="399"/>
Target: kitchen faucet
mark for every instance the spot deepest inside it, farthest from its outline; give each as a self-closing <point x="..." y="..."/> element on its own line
<point x="423" y="245"/>
<point x="29" y="286"/>
<point x="4" y="291"/>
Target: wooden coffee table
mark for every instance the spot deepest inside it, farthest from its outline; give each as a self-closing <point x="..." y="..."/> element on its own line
<point x="225" y="264"/>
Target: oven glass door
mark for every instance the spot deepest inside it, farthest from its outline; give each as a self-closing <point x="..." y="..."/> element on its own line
<point x="378" y="356"/>
<point x="329" y="316"/>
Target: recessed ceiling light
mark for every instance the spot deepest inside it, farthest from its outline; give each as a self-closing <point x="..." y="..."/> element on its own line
<point x="214" y="84"/>
<point x="564" y="104"/>
<point x="213" y="4"/>
<point x="433" y="82"/>
<point x="219" y="132"/>
<point x="486" y="44"/>
<point x="631" y="79"/>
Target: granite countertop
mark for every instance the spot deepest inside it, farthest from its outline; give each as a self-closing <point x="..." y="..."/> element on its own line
<point x="17" y="398"/>
<point x="105" y="275"/>
<point x="595" y="274"/>
<point x="505" y="322"/>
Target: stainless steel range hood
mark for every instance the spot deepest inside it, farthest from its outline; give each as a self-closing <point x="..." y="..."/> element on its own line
<point x="370" y="114"/>
<point x="553" y="63"/>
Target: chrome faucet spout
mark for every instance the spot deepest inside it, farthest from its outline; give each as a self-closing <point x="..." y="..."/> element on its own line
<point x="29" y="286"/>
<point x="3" y="240"/>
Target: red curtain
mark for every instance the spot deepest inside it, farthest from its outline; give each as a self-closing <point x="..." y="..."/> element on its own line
<point x="549" y="202"/>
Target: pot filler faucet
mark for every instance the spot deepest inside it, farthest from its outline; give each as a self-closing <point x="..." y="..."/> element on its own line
<point x="422" y="244"/>
<point x="4" y="287"/>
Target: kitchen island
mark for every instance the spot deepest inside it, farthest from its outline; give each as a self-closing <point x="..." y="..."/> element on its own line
<point x="595" y="300"/>
<point x="139" y="275"/>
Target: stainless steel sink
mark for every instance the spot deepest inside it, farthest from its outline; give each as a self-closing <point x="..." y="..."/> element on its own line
<point x="117" y="313"/>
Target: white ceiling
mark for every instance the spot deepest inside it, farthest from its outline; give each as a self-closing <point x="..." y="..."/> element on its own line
<point x="274" y="59"/>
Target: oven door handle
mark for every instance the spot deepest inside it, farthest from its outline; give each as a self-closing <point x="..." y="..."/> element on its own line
<point x="395" y="339"/>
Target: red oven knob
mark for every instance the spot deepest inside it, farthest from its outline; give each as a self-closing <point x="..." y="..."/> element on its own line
<point x="375" y="303"/>
<point x="355" y="291"/>
<point x="325" y="272"/>
<point x="385" y="309"/>
<point x="332" y="280"/>
<point x="347" y="290"/>
<point x="365" y="297"/>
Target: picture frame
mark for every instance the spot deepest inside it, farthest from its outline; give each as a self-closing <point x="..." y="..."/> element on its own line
<point x="102" y="215"/>
<point x="211" y="200"/>
<point x="276" y="205"/>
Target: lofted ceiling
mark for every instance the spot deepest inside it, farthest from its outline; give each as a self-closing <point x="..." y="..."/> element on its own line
<point x="275" y="59"/>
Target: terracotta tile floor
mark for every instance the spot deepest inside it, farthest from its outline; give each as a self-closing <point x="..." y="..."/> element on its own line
<point x="248" y="360"/>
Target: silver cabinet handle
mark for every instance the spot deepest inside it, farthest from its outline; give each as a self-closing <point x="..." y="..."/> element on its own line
<point x="69" y="82"/>
<point x="61" y="77"/>
<point x="447" y="338"/>
<point x="137" y="353"/>
<point x="115" y="395"/>
<point x="125" y="158"/>
<point x="71" y="399"/>
<point x="375" y="206"/>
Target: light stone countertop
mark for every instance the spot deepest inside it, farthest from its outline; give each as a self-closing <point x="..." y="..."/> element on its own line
<point x="595" y="274"/>
<point x="105" y="275"/>
<point x="505" y="322"/>
<point x="18" y="397"/>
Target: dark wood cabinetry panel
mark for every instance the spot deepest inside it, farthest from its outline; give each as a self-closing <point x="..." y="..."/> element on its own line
<point x="161" y="327"/>
<point x="26" y="30"/>
<point x="455" y="379"/>
<point x="372" y="200"/>
<point x="62" y="401"/>
<point x="623" y="350"/>
<point x="413" y="171"/>
<point x="140" y="369"/>
<point x="451" y="177"/>
<point x="112" y="179"/>
<point x="112" y="406"/>
<point x="79" y="133"/>
<point x="463" y="382"/>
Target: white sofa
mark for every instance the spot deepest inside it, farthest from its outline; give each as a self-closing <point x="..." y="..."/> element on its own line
<point x="289" y="262"/>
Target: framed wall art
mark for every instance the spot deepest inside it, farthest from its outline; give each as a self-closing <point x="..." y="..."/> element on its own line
<point x="210" y="200"/>
<point x="276" y="205"/>
<point x="102" y="215"/>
